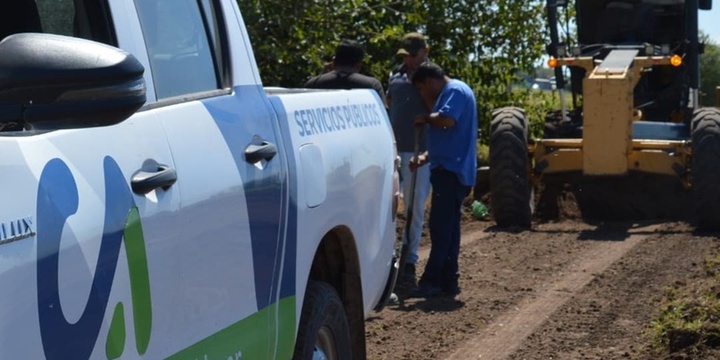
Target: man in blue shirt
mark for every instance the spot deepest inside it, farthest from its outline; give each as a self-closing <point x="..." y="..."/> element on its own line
<point x="452" y="157"/>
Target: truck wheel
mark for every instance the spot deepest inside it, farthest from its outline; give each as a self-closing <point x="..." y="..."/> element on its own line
<point x="706" y="167"/>
<point x="324" y="332"/>
<point x="510" y="193"/>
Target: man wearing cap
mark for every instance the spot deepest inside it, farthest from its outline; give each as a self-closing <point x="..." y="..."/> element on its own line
<point x="346" y="74"/>
<point x="405" y="104"/>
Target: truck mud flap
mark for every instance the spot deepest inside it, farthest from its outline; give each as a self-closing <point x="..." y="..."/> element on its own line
<point x="390" y="284"/>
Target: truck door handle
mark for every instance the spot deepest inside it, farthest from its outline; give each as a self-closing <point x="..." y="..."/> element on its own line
<point x="143" y="182"/>
<point x="265" y="151"/>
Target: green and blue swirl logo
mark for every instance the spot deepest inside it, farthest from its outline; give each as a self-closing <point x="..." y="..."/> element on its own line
<point x="58" y="199"/>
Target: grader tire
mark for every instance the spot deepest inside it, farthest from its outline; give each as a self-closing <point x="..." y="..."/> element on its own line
<point x="706" y="168"/>
<point x="509" y="186"/>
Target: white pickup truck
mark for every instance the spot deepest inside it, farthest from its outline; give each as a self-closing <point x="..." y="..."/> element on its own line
<point x="159" y="203"/>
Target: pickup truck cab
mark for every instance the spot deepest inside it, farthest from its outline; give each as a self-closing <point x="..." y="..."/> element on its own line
<point x="159" y="203"/>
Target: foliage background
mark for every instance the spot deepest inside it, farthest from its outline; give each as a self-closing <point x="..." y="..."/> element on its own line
<point x="486" y="43"/>
<point x="709" y="73"/>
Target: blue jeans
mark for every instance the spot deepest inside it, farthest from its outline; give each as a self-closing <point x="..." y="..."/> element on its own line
<point x="422" y="190"/>
<point x="448" y="194"/>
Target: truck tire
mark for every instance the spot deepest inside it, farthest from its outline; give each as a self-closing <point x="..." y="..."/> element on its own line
<point x="510" y="192"/>
<point x="706" y="168"/>
<point x="324" y="332"/>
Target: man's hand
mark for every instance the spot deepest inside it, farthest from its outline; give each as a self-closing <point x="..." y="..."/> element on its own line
<point x="421" y="120"/>
<point x="421" y="160"/>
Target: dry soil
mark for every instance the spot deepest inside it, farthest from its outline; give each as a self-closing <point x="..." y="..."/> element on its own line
<point x="565" y="289"/>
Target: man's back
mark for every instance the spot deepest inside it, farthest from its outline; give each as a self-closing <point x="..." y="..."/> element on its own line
<point x="339" y="79"/>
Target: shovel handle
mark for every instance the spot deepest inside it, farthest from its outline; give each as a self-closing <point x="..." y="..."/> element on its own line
<point x="405" y="249"/>
<point x="413" y="178"/>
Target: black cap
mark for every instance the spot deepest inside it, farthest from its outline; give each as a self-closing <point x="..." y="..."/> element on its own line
<point x="411" y="44"/>
<point x="349" y="52"/>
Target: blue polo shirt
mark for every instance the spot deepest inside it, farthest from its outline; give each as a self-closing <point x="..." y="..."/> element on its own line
<point x="455" y="148"/>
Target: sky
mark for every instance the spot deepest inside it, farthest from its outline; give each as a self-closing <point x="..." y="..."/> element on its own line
<point x="710" y="22"/>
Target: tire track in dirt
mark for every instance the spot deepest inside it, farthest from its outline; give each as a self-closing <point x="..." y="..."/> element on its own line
<point x="503" y="272"/>
<point x="498" y="270"/>
<point x="507" y="332"/>
<point x="612" y="316"/>
<point x="467" y="239"/>
<point x="424" y="252"/>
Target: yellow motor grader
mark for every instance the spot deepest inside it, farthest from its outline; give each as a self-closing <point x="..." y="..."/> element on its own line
<point x="633" y="111"/>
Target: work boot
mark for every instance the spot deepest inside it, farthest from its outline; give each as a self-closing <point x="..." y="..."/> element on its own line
<point x="451" y="290"/>
<point x="408" y="278"/>
<point x="427" y="292"/>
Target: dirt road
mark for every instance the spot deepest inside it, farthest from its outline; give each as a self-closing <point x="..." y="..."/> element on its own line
<point x="565" y="290"/>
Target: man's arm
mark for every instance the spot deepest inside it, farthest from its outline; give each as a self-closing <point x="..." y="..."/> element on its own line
<point x="388" y="97"/>
<point x="435" y="119"/>
<point x="379" y="88"/>
<point x="310" y="83"/>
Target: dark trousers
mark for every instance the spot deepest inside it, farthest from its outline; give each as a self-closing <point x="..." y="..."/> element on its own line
<point x="448" y="194"/>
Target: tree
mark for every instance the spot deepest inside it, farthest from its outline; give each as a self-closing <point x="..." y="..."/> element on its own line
<point x="292" y="40"/>
<point x="709" y="73"/>
<point x="486" y="43"/>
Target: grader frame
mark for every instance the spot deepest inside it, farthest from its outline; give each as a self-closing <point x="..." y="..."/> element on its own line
<point x="634" y="84"/>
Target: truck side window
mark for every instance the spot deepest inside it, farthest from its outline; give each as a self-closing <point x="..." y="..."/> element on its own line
<point x="215" y="26"/>
<point x="179" y="47"/>
<point x="87" y="19"/>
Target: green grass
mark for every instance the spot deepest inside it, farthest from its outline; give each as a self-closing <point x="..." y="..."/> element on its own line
<point x="689" y="319"/>
<point x="537" y="103"/>
<point x="483" y="153"/>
